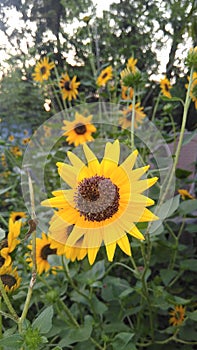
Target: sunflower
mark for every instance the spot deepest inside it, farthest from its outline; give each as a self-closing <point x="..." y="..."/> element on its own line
<point x="177" y="315"/>
<point x="10" y="278"/>
<point x="43" y="250"/>
<point x="15" y="150"/>
<point x="127" y="93"/>
<point x="69" y="87"/>
<point x="60" y="229"/>
<point x="185" y="194"/>
<point x="193" y="92"/>
<point x="165" y="87"/>
<point x="11" y="138"/>
<point x="17" y="215"/>
<point x="105" y="76"/>
<point x="104" y="201"/>
<point x="26" y="140"/>
<point x="131" y="64"/>
<point x="125" y="121"/>
<point x="42" y="70"/>
<point x="9" y="244"/>
<point x="80" y="130"/>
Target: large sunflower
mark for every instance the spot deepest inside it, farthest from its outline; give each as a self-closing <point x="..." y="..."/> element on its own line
<point x="43" y="251"/>
<point x="80" y="130"/>
<point x="165" y="87"/>
<point x="105" y="76"/>
<point x="104" y="201"/>
<point x="125" y="121"/>
<point x="10" y="278"/>
<point x="9" y="244"/>
<point x="69" y="87"/>
<point x="42" y="70"/>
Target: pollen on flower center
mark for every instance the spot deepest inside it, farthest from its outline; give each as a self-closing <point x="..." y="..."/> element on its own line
<point x="8" y="280"/>
<point x="46" y="250"/>
<point x="97" y="198"/>
<point x="80" y="129"/>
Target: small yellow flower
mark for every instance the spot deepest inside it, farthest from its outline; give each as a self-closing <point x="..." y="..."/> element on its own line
<point x="9" y="244"/>
<point x="11" y="138"/>
<point x="43" y="251"/>
<point x="15" y="150"/>
<point x="177" y="315"/>
<point x="127" y="93"/>
<point x="26" y="140"/>
<point x="165" y="87"/>
<point x="10" y="278"/>
<point x="131" y="64"/>
<point x="17" y="215"/>
<point x="105" y="75"/>
<point x="42" y="70"/>
<point x="185" y="194"/>
<point x="125" y="121"/>
<point x="69" y="87"/>
<point x="79" y="130"/>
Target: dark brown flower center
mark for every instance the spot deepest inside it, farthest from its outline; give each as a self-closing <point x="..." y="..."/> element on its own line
<point x="104" y="75"/>
<point x="43" y="70"/>
<point x="46" y="251"/>
<point x="80" y="129"/>
<point x="166" y="87"/>
<point x="97" y="198"/>
<point x="67" y="86"/>
<point x="17" y="217"/>
<point x="4" y="243"/>
<point x="8" y="280"/>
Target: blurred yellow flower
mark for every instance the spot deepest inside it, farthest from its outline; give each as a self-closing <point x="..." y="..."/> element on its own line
<point x="177" y="315"/>
<point x="125" y="121"/>
<point x="185" y="194"/>
<point x="79" y="130"/>
<point x="10" y="278"/>
<point x="165" y="87"/>
<point x="42" y="70"/>
<point x="69" y="87"/>
<point x="105" y="75"/>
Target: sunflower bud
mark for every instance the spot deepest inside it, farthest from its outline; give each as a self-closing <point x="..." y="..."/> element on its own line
<point x="191" y="60"/>
<point x="130" y="79"/>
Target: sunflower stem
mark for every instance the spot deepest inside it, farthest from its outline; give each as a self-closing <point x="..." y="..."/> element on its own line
<point x="7" y="302"/>
<point x="180" y="142"/>
<point x="156" y="107"/>
<point x="33" y="275"/>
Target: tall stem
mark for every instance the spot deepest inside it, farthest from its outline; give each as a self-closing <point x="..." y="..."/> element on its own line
<point x="133" y="121"/>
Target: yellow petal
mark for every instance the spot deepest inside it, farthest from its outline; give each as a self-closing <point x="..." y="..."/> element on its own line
<point x="137" y="173"/>
<point x="67" y="173"/>
<point x="142" y="185"/>
<point x="92" y="253"/>
<point x="129" y="162"/>
<point x="93" y="163"/>
<point x="110" y="249"/>
<point x="112" y="152"/>
<point x="136" y="233"/>
<point x="124" y="244"/>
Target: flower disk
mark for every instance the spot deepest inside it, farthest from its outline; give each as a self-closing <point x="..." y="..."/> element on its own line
<point x="103" y="204"/>
<point x="69" y="87"/>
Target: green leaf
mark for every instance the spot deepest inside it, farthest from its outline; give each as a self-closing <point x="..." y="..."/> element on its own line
<point x="188" y="206"/>
<point x="74" y="335"/>
<point x="94" y="274"/>
<point x="98" y="306"/>
<point x="167" y="275"/>
<point x="182" y="173"/>
<point x="44" y="321"/>
<point x="192" y="315"/>
<point x="12" y="342"/>
<point x="189" y="264"/>
<point x="122" y="341"/>
<point x="4" y="190"/>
